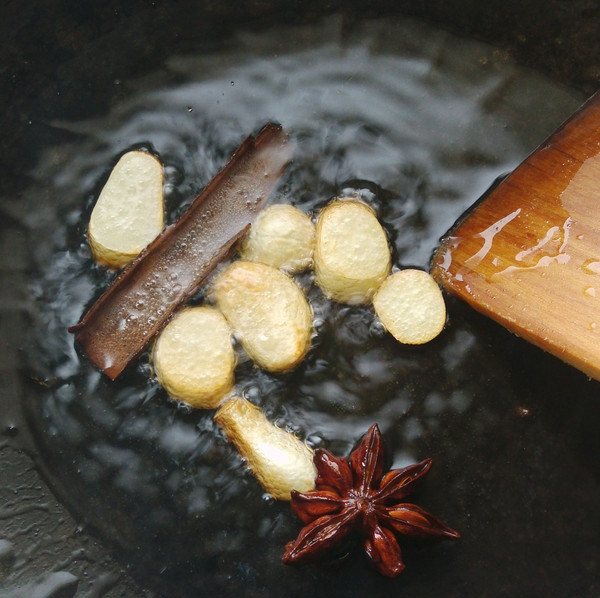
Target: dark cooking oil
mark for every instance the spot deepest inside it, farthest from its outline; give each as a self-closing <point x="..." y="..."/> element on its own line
<point x="418" y="124"/>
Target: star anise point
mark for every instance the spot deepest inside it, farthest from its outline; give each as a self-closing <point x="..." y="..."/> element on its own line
<point x="354" y="496"/>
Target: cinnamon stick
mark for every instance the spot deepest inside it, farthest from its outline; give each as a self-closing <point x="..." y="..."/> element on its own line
<point x="171" y="269"/>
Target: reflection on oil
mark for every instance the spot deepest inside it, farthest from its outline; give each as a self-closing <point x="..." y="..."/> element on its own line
<point x="580" y="200"/>
<point x="573" y="245"/>
<point x="591" y="266"/>
<point x="488" y="238"/>
<point x="543" y="254"/>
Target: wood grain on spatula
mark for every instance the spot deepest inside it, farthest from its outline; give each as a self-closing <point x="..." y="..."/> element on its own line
<point x="528" y="254"/>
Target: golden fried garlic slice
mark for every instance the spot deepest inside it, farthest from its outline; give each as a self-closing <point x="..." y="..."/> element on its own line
<point x="194" y="359"/>
<point x="129" y="212"/>
<point x="352" y="257"/>
<point x="411" y="306"/>
<point x="280" y="461"/>
<point x="268" y="312"/>
<point x="283" y="237"/>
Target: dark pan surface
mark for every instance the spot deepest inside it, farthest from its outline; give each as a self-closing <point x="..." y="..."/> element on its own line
<point x="415" y="120"/>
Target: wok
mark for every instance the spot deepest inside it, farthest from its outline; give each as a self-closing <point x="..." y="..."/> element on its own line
<point x="113" y="490"/>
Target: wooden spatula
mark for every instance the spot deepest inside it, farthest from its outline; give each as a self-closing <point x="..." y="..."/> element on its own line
<point x="528" y="254"/>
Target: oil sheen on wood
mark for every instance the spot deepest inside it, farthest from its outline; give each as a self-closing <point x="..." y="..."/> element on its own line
<point x="528" y="254"/>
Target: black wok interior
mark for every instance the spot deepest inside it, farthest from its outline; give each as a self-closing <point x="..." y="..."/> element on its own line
<point x="527" y="530"/>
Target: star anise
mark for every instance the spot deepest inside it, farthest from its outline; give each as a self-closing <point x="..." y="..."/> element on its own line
<point x="353" y="495"/>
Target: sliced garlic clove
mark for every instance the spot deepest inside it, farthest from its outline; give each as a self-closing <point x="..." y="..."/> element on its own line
<point x="283" y="237"/>
<point x="268" y="312"/>
<point x="129" y="212"/>
<point x="411" y="306"/>
<point x="280" y="461"/>
<point x="352" y="257"/>
<point x="193" y="357"/>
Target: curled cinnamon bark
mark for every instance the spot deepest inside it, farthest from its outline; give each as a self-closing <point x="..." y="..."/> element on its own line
<point x="139" y="302"/>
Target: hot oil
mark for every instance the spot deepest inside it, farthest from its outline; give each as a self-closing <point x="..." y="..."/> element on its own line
<point x="418" y="124"/>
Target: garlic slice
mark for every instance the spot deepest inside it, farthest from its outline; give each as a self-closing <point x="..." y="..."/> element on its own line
<point x="411" y="306"/>
<point x="129" y="212"/>
<point x="283" y="237"/>
<point x="280" y="461"/>
<point x="352" y="256"/>
<point x="193" y="357"/>
<point x="268" y="311"/>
